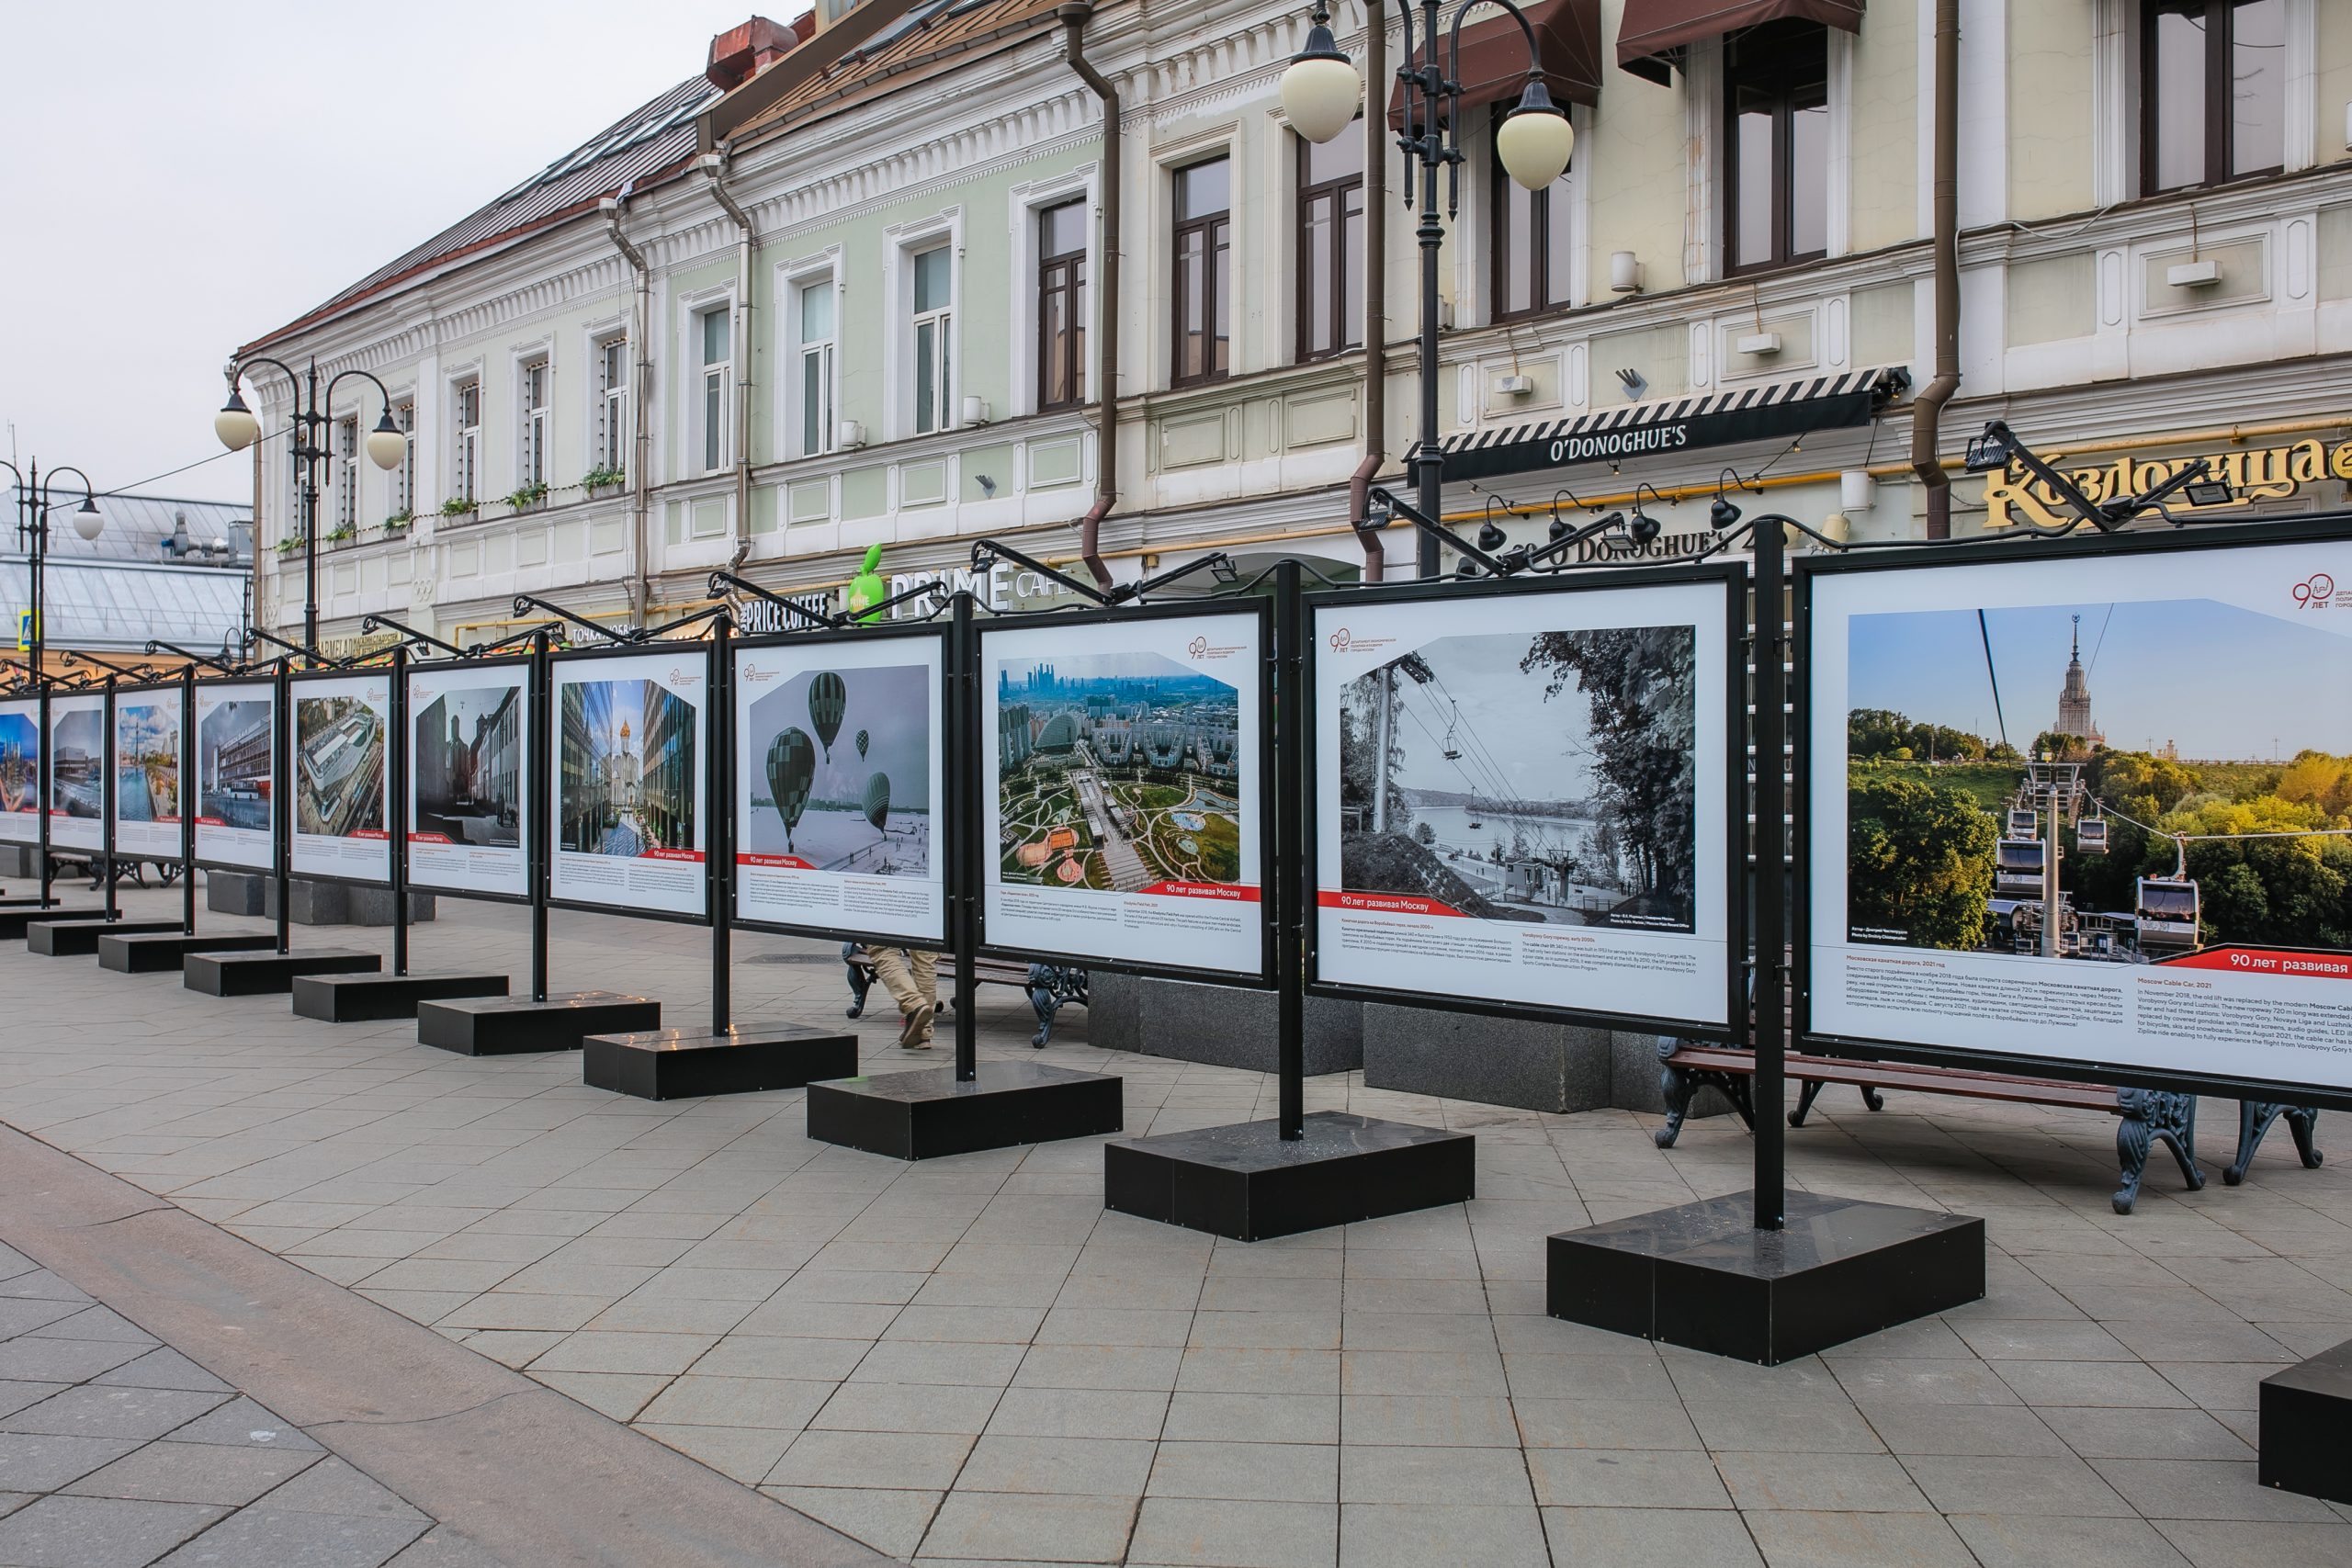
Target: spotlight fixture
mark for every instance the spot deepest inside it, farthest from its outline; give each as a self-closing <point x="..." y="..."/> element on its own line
<point x="2209" y="492"/>
<point x="1645" y="527"/>
<point x="1491" y="539"/>
<point x="1722" y="514"/>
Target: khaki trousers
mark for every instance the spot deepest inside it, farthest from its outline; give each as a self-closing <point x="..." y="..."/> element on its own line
<point x="910" y="975"/>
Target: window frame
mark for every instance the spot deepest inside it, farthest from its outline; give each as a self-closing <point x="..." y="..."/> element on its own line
<point x="714" y="387"/>
<point x="465" y="443"/>
<point x="403" y="475"/>
<point x="940" y="320"/>
<point x="347" y="472"/>
<point x="610" y="421"/>
<point x="1500" y="189"/>
<point x="826" y="354"/>
<point x="534" y="408"/>
<point x="1347" y="334"/>
<point x="2220" y="131"/>
<point x="1061" y="273"/>
<point x="1783" y="254"/>
<point x="1216" y="231"/>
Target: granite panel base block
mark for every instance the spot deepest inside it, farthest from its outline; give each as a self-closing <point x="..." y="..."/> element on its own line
<point x="164" y="953"/>
<point x="15" y="924"/>
<point x="923" y="1115"/>
<point x="2306" y="1435"/>
<point x="235" y="893"/>
<point x="363" y="998"/>
<point x="268" y="974"/>
<point x="1703" y="1276"/>
<point x="79" y="939"/>
<point x="1246" y="1182"/>
<point x="677" y="1064"/>
<point x="507" y="1026"/>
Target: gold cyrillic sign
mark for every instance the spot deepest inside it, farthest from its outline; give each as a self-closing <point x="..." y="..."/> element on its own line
<point x="2252" y="473"/>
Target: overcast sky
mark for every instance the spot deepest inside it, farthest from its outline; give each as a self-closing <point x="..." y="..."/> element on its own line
<point x="183" y="178"/>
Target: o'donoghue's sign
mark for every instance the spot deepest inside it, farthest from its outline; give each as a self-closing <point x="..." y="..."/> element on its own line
<point x="2252" y="473"/>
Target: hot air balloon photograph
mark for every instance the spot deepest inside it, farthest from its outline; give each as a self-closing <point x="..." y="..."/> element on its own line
<point x="835" y="763"/>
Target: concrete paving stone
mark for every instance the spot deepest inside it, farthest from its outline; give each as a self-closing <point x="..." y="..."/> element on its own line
<point x="1380" y="1535"/>
<point x="2146" y="1434"/>
<point x="99" y="1411"/>
<point x="641" y="1313"/>
<point x="333" y="1486"/>
<point x="2013" y="1339"/>
<point x="1018" y="1526"/>
<point x="1794" y="1540"/>
<point x="2108" y="1383"/>
<point x="163" y="1368"/>
<point x="1266" y="1330"/>
<point x="741" y="1453"/>
<point x="1624" y="1478"/>
<point x="906" y="1408"/>
<point x="29" y="1360"/>
<point x="14" y="1397"/>
<point x="1470" y="1476"/>
<point x="514" y="1348"/>
<point x="2054" y="1486"/>
<point x="619" y="1395"/>
<point x="194" y="1472"/>
<point x="889" y="1520"/>
<point x="2235" y="1545"/>
<point x="1420" y="1371"/>
<point x="780" y="1404"/>
<point x="1150" y="1368"/>
<point x="2004" y="1540"/>
<point x="1081" y="1413"/>
<point x="2218" y="1385"/>
<point x="1247" y="1471"/>
<point x="921" y="1460"/>
<point x="927" y="1362"/>
<point x="241" y="1422"/>
<point x="1004" y="1325"/>
<point x="2205" y="1489"/>
<point x="1099" y="1466"/>
<point x="260" y="1535"/>
<point x="1650" y="1538"/>
<point x="1605" y="1424"/>
<point x="593" y="1350"/>
<point x="772" y="1356"/>
<point x="95" y="1322"/>
<point x="1221" y="1369"/>
<point x="100" y="1532"/>
<point x="1826" y="1482"/>
<point x="1908" y="1427"/>
<point x="1548" y="1376"/>
<point x="1235" y="1534"/>
<point x="1432" y="1420"/>
<point x="24" y="1317"/>
<point x="1454" y="1333"/>
<point x="34" y="1464"/>
<point x="39" y="1284"/>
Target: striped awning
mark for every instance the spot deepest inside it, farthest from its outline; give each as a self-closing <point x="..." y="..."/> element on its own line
<point x="1775" y="411"/>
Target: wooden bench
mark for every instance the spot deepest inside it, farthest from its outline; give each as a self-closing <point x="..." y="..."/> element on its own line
<point x="2147" y="1116"/>
<point x="1049" y="988"/>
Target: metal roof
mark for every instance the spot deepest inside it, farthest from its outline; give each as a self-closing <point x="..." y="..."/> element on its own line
<point x="653" y="138"/>
<point x="136" y="525"/>
<point x="936" y="36"/>
<point x="118" y="604"/>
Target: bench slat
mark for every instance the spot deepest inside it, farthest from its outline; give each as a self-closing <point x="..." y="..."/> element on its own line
<point x="1963" y="1081"/>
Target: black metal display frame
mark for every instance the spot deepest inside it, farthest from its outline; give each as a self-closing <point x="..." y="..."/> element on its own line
<point x="2078" y="549"/>
<point x="713" y="803"/>
<point x="531" y="767"/>
<point x="943" y="850"/>
<point x="178" y="689"/>
<point x="984" y="753"/>
<point x="395" y="722"/>
<point x="268" y="684"/>
<point x="104" y="849"/>
<point x="34" y="704"/>
<point x="1731" y="578"/>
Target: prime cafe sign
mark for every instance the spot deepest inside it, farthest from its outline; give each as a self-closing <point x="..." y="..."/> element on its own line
<point x="2252" y="473"/>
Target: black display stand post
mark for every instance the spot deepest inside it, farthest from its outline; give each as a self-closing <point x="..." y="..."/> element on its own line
<point x="501" y="1025"/>
<point x="973" y="1105"/>
<point x="1758" y="1276"/>
<point x="14" y="921"/>
<point x="272" y="972"/>
<point x="728" y="1057"/>
<point x="55" y="936"/>
<point x="365" y="998"/>
<point x="1252" y="1180"/>
<point x="158" y="953"/>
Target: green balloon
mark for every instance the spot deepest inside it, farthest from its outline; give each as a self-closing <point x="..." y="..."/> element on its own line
<point x="792" y="763"/>
<point x="877" y="802"/>
<point x="827" y="698"/>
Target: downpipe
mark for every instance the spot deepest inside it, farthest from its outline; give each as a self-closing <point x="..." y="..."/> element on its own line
<point x="1074" y="15"/>
<point x="1926" y="409"/>
<point x="641" y="331"/>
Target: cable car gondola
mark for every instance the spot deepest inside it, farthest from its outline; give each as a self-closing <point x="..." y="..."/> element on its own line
<point x="2016" y="869"/>
<point x="2166" y="916"/>
<point x="2023" y="823"/>
<point x="1452" y="751"/>
<point x="2090" y="836"/>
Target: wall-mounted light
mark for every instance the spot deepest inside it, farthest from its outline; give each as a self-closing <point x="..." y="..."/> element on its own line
<point x="1856" y="489"/>
<point x="1625" y="273"/>
<point x="850" y="435"/>
<point x="1634" y="384"/>
<point x="975" y="411"/>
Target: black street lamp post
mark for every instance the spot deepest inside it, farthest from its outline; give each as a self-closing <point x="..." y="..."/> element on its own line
<point x="238" y="429"/>
<point x="1320" y="94"/>
<point x="32" y="533"/>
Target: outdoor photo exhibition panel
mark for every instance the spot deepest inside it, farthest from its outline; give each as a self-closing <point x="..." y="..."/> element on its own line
<point x="838" y="773"/>
<point x="20" y="771"/>
<point x="77" y="755"/>
<point x="631" y="817"/>
<point x="1125" y="796"/>
<point x="341" y="726"/>
<point x="469" y="726"/>
<point x="2086" y="805"/>
<point x="146" y="759"/>
<point x="1522" y="795"/>
<point x="233" y="759"/>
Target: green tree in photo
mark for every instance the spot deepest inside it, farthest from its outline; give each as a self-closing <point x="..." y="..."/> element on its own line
<point x="1641" y="684"/>
<point x="1919" y="859"/>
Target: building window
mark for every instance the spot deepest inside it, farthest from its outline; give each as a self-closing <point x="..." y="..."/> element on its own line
<point x="1532" y="246"/>
<point x="1776" y="162"/>
<point x="531" y="438"/>
<point x="346" y="475"/>
<point x="403" y="482"/>
<point x="714" y="329"/>
<point x="814" y="326"/>
<point x="2214" y="92"/>
<point x="934" y="328"/>
<point x="612" y="405"/>
<point x="1061" y="305"/>
<point x="1203" y="244"/>
<point x="1330" y="245"/>
<point x="465" y="445"/>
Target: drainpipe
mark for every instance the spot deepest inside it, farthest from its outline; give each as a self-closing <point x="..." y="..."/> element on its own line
<point x="1375" y="293"/>
<point x="1926" y="409"/>
<point x="714" y="164"/>
<point x="640" y="332"/>
<point x="1074" y="15"/>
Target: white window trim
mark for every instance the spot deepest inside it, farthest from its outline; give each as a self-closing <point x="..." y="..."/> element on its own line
<point x="692" y="308"/>
<point x="1703" y="97"/>
<point x="400" y="480"/>
<point x="594" y="339"/>
<point x="1026" y="202"/>
<point x="346" y="452"/>
<point x="537" y="356"/>
<point x="902" y="242"/>
<point x="453" y="387"/>
<point x="791" y="277"/>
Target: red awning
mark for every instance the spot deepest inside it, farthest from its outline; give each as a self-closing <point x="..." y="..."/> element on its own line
<point x="1653" y="33"/>
<point x="1494" y="56"/>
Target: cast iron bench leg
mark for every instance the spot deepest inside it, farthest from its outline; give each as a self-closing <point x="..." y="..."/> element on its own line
<point x="860" y="981"/>
<point x="2254" y="1118"/>
<point x="1043" y="1001"/>
<point x="2151" y="1114"/>
<point x="1676" y="1086"/>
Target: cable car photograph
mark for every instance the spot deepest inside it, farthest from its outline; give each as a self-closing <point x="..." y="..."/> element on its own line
<point x="2090" y="836"/>
<point x="2167" y="914"/>
<point x="2016" y="869"/>
<point x="2023" y="823"/>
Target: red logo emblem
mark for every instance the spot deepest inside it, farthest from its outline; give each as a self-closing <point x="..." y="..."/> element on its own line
<point x="1340" y="641"/>
<point x="2316" y="591"/>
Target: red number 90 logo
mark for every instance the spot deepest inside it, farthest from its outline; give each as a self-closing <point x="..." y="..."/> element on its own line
<point x="2316" y="591"/>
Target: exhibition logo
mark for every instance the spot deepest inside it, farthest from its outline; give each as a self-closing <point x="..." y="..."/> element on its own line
<point x="1344" y="640"/>
<point x="1340" y="641"/>
<point x="2316" y="591"/>
<point x="1202" y="648"/>
<point x="683" y="680"/>
<point x="1199" y="649"/>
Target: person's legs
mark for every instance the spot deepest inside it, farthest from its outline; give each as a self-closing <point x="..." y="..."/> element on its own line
<point x="896" y="968"/>
<point x="925" y="965"/>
